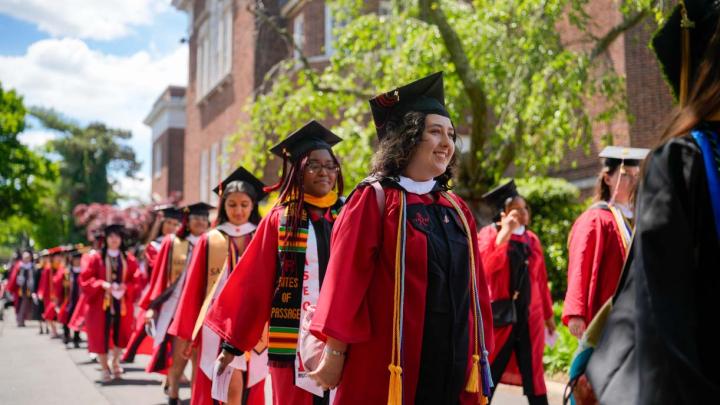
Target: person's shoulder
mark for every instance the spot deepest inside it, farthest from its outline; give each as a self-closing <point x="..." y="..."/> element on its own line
<point x="596" y="213"/>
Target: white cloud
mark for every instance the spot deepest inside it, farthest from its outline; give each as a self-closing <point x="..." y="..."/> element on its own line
<point x="88" y="85"/>
<point x="36" y="138"/>
<point x="94" y="19"/>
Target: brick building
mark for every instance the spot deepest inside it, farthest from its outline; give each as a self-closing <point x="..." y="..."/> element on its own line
<point x="167" y="121"/>
<point x="231" y="50"/>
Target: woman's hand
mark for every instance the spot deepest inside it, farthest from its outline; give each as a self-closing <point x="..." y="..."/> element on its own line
<point x="508" y="223"/>
<point x="577" y="326"/>
<point x="149" y="315"/>
<point x="550" y="325"/>
<point x="329" y="371"/>
<point x="106" y="285"/>
<point x="224" y="359"/>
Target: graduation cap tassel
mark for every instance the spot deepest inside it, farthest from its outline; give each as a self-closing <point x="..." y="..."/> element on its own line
<point x="685" y="25"/>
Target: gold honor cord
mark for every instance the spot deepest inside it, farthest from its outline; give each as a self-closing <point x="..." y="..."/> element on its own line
<point x="395" y="367"/>
<point x="685" y="25"/>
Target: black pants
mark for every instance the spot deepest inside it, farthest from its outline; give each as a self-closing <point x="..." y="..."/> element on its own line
<point x="66" y="336"/>
<point x="518" y="342"/>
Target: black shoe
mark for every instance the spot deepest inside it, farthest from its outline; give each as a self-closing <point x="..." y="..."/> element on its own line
<point x="173" y="401"/>
<point x="76" y="344"/>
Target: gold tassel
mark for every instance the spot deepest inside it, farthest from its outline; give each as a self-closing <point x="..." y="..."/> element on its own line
<point x="482" y="399"/>
<point x="395" y="391"/>
<point x="685" y="25"/>
<point x="473" y="384"/>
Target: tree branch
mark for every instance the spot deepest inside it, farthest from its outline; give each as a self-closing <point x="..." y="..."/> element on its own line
<point x="431" y="12"/>
<point x="304" y="61"/>
<point x="628" y="23"/>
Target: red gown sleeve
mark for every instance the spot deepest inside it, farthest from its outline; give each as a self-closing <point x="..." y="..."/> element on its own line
<point x="42" y="289"/>
<point x="158" y="278"/>
<point x="90" y="281"/>
<point x="584" y="252"/>
<point x="193" y="293"/>
<point x="57" y="285"/>
<point x="243" y="306"/>
<point x="133" y="283"/>
<point x="342" y="311"/>
<point x="12" y="286"/>
<point x="495" y="262"/>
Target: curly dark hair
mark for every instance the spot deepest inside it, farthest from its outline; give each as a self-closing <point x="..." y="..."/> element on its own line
<point x="397" y="147"/>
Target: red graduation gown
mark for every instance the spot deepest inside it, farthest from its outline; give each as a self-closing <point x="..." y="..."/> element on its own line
<point x="91" y="280"/>
<point x="497" y="271"/>
<point x="51" y="291"/>
<point x="596" y="257"/>
<point x="355" y="304"/>
<point x="159" y="283"/>
<point x="12" y="286"/>
<point x="77" y="320"/>
<point x="140" y="342"/>
<point x="243" y="307"/>
<point x="188" y="310"/>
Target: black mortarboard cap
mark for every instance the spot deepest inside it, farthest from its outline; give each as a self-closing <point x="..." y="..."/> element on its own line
<point x="616" y="155"/>
<point x="312" y="136"/>
<point x="497" y="197"/>
<point x="199" y="208"/>
<point x="426" y="95"/>
<point x="116" y="228"/>
<point x="702" y="17"/>
<point x="241" y="174"/>
<point x="169" y="211"/>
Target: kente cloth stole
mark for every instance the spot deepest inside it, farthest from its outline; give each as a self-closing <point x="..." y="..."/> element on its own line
<point x="107" y="301"/>
<point x="285" y="312"/>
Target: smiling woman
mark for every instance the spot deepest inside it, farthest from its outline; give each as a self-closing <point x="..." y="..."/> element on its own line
<point x="404" y="207"/>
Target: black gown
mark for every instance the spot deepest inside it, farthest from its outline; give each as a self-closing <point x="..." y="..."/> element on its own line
<point x="657" y="346"/>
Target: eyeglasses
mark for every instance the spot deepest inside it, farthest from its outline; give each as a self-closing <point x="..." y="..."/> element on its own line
<point x="315" y="167"/>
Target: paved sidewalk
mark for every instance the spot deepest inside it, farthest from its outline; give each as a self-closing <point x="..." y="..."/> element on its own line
<point x="35" y="369"/>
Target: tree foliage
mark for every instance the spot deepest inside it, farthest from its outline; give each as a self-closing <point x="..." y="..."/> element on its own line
<point x="514" y="88"/>
<point x="23" y="173"/>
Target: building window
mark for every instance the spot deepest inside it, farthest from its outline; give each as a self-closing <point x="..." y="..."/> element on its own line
<point x="157" y="159"/>
<point x="385" y="8"/>
<point x="214" y="165"/>
<point x="298" y="35"/>
<point x="225" y="159"/>
<point x="204" y="189"/>
<point x="214" y="47"/>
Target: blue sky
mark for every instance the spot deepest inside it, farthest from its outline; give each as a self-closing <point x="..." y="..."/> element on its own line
<point x="94" y="61"/>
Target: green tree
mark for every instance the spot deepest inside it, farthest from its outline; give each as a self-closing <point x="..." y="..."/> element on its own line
<point x="88" y="155"/>
<point x="516" y="91"/>
<point x="23" y="173"/>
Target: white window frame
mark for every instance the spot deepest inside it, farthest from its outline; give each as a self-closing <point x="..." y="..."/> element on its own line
<point x="329" y="34"/>
<point x="214" y="47"/>
<point x="298" y="35"/>
<point x="157" y="159"/>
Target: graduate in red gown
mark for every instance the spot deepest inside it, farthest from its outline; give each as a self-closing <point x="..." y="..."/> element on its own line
<point x="281" y="272"/>
<point x="161" y="299"/>
<point x="599" y="239"/>
<point x="71" y="294"/>
<point x="51" y="287"/>
<point x="21" y="285"/>
<point x="214" y="257"/>
<point x="167" y="222"/>
<point x="77" y="320"/>
<point x="404" y="306"/>
<point x="515" y="270"/>
<point x="110" y="285"/>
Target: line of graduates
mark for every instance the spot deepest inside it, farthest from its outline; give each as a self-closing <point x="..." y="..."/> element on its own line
<point x="393" y="295"/>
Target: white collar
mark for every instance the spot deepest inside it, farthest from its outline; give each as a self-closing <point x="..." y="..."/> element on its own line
<point x="77" y="269"/>
<point x="113" y="252"/>
<point x="519" y="230"/>
<point x="192" y="239"/>
<point x="416" y="187"/>
<point x="235" y="231"/>
<point x="626" y="211"/>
